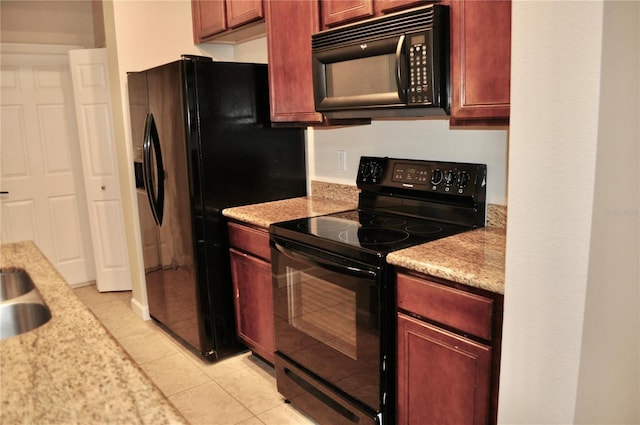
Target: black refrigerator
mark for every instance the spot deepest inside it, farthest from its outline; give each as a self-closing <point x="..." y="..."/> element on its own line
<point x="202" y="142"/>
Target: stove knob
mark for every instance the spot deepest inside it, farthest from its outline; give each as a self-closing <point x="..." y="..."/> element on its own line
<point x="463" y="179"/>
<point x="371" y="172"/>
<point x="364" y="171"/>
<point x="450" y="178"/>
<point x="436" y="176"/>
<point x="376" y="171"/>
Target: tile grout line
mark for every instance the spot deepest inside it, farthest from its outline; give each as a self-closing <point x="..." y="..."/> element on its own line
<point x="181" y="350"/>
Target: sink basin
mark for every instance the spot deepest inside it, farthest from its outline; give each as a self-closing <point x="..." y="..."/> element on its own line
<point x="17" y="318"/>
<point x="21" y="307"/>
<point x="14" y="284"/>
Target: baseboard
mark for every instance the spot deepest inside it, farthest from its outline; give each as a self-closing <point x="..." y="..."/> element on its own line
<point x="82" y="284"/>
<point x="142" y="311"/>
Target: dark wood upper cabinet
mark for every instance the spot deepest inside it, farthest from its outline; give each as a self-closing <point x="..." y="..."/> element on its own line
<point x="208" y="19"/>
<point x="480" y="61"/>
<point x="290" y="24"/>
<point x="380" y="7"/>
<point x="338" y="12"/>
<point x="242" y="12"/>
<point x="227" y="21"/>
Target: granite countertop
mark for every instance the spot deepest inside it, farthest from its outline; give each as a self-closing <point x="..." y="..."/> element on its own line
<point x="474" y="258"/>
<point x="71" y="370"/>
<point x="267" y="213"/>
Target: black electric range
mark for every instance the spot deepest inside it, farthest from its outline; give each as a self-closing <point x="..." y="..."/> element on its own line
<point x="334" y="293"/>
<point x="402" y="203"/>
<point x="364" y="235"/>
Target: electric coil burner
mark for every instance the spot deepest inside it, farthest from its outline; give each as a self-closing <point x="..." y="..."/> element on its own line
<point x="334" y="293"/>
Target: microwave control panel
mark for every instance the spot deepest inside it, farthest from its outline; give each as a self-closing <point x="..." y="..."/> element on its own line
<point x="420" y="78"/>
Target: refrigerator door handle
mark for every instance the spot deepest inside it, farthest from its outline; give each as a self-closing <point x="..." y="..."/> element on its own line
<point x="152" y="156"/>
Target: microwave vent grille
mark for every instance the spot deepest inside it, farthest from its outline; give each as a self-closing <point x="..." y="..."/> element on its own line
<point x="413" y="20"/>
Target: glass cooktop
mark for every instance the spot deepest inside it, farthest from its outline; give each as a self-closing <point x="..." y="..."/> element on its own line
<point x="363" y="230"/>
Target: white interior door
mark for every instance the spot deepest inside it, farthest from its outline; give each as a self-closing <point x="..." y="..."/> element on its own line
<point x="97" y="144"/>
<point x="40" y="164"/>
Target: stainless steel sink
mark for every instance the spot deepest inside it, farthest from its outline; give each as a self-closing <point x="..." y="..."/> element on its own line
<point x="21" y="307"/>
<point x="17" y="318"/>
<point x="13" y="284"/>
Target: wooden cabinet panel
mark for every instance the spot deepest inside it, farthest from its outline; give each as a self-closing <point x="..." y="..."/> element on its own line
<point x="252" y="241"/>
<point x="241" y="12"/>
<point x="480" y="60"/>
<point x="443" y="378"/>
<point x="336" y="12"/>
<point x="446" y="374"/>
<point x="290" y="24"/>
<point x="253" y="296"/>
<point x="388" y="6"/>
<point x="227" y="21"/>
<point x="339" y="12"/>
<point x="208" y="18"/>
<point x="461" y="310"/>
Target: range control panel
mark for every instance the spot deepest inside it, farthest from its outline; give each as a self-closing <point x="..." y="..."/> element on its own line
<point x="445" y="178"/>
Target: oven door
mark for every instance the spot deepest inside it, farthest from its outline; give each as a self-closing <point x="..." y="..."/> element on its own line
<point x="327" y="320"/>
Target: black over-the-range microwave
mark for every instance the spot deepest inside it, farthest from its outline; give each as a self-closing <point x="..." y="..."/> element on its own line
<point x="396" y="65"/>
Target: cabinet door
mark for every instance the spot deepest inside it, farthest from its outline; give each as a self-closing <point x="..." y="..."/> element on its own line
<point x="290" y="24"/>
<point x="480" y="59"/>
<point x="241" y="12"/>
<point x="443" y="378"/>
<point x="254" y="303"/>
<point x="208" y="18"/>
<point x="388" y="6"/>
<point x="336" y="12"/>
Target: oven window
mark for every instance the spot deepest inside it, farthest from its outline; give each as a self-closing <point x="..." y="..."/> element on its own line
<point x="369" y="75"/>
<point x="322" y="310"/>
<point x="327" y="320"/>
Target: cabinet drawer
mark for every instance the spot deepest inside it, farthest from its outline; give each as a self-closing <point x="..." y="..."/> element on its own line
<point x="452" y="307"/>
<point x="250" y="240"/>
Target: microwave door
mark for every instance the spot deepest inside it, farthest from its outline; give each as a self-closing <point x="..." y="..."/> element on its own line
<point x="371" y="74"/>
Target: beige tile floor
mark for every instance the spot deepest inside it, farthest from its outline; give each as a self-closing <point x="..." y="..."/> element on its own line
<point x="240" y="390"/>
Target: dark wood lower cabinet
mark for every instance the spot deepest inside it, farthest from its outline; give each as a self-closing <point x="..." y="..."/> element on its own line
<point x="448" y="352"/>
<point x="253" y="293"/>
<point x="443" y="378"/>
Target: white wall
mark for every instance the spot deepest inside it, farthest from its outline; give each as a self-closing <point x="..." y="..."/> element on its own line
<point x="414" y="139"/>
<point x="47" y="22"/>
<point x="608" y="381"/>
<point x="570" y="344"/>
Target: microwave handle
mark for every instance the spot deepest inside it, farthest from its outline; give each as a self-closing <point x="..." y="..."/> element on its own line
<point x="399" y="47"/>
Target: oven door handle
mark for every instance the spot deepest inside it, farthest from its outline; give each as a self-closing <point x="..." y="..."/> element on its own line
<point x="321" y="262"/>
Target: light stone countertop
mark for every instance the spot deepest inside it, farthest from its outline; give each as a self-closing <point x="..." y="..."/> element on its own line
<point x="474" y="258"/>
<point x="264" y="214"/>
<point x="71" y="370"/>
